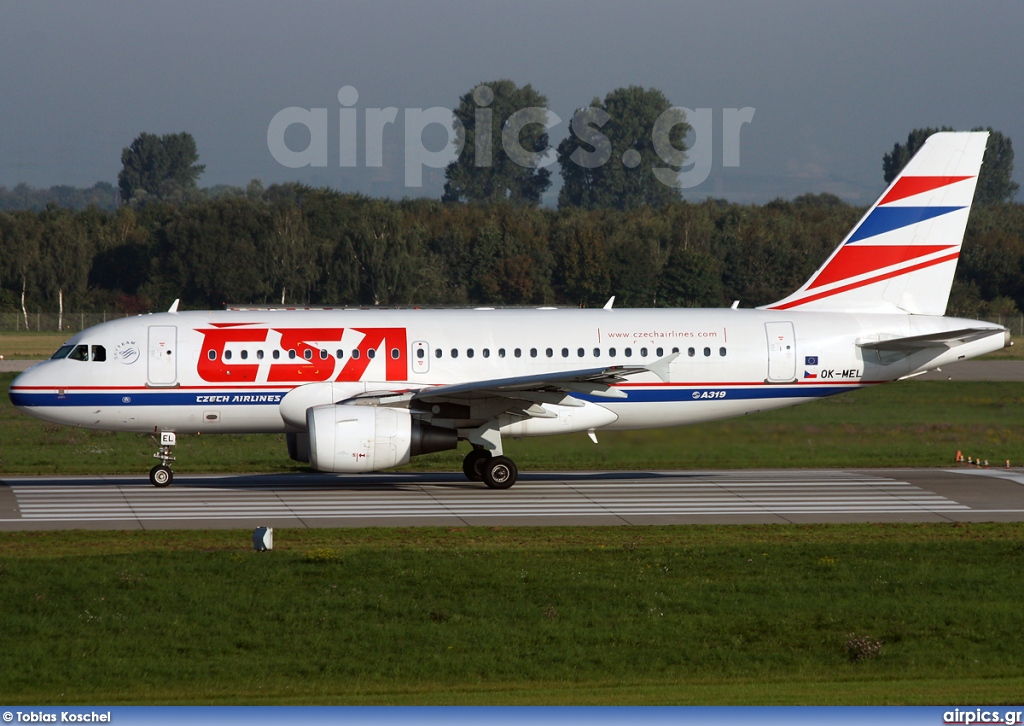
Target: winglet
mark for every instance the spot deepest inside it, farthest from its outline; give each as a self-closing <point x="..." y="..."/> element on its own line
<point x="174" y="306"/>
<point x="611" y="301"/>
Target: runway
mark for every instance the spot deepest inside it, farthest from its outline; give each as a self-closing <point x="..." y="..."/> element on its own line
<point x="540" y="498"/>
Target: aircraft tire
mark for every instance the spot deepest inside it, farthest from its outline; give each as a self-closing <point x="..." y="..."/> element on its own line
<point x="500" y="472"/>
<point x="473" y="464"/>
<point x="160" y="475"/>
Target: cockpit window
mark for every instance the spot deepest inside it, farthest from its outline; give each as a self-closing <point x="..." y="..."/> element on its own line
<point x="99" y="353"/>
<point x="62" y="352"/>
<point x="80" y="352"/>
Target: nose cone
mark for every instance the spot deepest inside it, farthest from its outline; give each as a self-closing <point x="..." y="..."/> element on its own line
<point x="37" y="393"/>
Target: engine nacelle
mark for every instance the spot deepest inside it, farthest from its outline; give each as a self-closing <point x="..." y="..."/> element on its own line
<point x="357" y="439"/>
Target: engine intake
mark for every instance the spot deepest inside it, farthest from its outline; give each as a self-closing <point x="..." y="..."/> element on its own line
<point x="357" y="439"/>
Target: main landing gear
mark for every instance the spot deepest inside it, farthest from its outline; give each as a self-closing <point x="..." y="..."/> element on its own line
<point x="161" y="474"/>
<point x="497" y="472"/>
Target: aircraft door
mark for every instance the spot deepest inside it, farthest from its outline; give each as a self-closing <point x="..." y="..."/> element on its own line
<point x="781" y="352"/>
<point x="163" y="367"/>
<point x="420" y="357"/>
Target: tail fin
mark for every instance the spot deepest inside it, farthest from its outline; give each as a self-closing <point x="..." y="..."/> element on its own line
<point x="901" y="256"/>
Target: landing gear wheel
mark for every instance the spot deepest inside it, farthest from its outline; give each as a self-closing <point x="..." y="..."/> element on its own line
<point x="160" y="475"/>
<point x="473" y="464"/>
<point x="500" y="472"/>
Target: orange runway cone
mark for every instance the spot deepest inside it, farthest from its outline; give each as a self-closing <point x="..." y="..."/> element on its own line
<point x="959" y="457"/>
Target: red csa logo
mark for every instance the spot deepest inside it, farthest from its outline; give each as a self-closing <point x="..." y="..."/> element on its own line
<point x="308" y="364"/>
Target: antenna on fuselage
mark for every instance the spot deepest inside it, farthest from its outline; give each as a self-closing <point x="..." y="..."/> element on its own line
<point x="174" y="306"/>
<point x="608" y="305"/>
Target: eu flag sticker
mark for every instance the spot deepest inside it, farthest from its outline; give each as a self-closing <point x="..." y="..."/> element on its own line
<point x="810" y="360"/>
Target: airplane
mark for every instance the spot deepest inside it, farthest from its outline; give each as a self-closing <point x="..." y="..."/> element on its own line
<point x="365" y="390"/>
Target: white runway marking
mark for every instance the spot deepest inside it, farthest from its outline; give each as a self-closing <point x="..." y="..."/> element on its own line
<point x="238" y="501"/>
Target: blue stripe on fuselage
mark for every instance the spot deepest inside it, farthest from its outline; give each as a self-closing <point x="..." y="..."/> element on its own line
<point x="147" y="398"/>
<point x="234" y="398"/>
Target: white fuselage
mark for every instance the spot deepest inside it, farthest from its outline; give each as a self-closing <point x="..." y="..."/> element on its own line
<point x="229" y="371"/>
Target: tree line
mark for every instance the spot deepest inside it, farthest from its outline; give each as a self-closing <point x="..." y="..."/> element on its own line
<point x="295" y="245"/>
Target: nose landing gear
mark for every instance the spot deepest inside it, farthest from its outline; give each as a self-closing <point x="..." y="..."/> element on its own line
<point x="161" y="474"/>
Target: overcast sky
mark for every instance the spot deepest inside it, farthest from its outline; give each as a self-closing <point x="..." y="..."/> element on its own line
<point x="833" y="86"/>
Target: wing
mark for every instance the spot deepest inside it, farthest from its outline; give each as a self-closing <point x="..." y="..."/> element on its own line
<point x="478" y="402"/>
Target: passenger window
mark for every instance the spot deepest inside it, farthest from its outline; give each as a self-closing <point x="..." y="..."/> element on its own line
<point x="371" y="353"/>
<point x="580" y="352"/>
<point x="227" y="355"/>
<point x="659" y="352"/>
<point x="211" y="354"/>
<point x="611" y="352"/>
<point x="277" y="354"/>
<point x="455" y="352"/>
<point x="307" y="354"/>
<point x="259" y="355"/>
<point x="469" y="352"/>
<point x="419" y="353"/>
<point x="721" y="352"/>
<point x="628" y="352"/>
<point x="324" y="355"/>
<point x="518" y="353"/>
<point x="597" y="352"/>
<point x="643" y="352"/>
<point x="487" y="352"/>
<point x="675" y="350"/>
<point x="691" y="352"/>
<point x="438" y="353"/>
<point x="291" y="354"/>
<point x="501" y="352"/>
<point x="533" y="352"/>
<point x="565" y="352"/>
<point x="339" y="353"/>
<point x="244" y="354"/>
<point x="549" y="352"/>
<point x="355" y="354"/>
<point x="707" y="352"/>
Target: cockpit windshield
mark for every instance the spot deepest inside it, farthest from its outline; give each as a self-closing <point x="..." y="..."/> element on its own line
<point x="62" y="352"/>
<point x="80" y="352"/>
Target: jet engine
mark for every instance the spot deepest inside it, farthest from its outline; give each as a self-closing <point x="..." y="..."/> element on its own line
<point x="353" y="439"/>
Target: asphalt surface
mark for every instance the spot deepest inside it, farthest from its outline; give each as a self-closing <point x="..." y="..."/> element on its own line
<point x="541" y="498"/>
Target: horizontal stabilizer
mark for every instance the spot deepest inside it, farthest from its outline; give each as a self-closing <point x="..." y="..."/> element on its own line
<point x="947" y="339"/>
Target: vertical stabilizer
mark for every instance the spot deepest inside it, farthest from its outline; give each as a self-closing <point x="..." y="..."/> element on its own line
<point x="901" y="256"/>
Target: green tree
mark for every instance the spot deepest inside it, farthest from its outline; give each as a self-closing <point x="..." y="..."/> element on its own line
<point x="995" y="182"/>
<point x="65" y="256"/>
<point x="19" y="263"/>
<point x="609" y="159"/>
<point x="502" y="136"/>
<point x="163" y="167"/>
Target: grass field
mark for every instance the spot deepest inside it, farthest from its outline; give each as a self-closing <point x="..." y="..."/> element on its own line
<point x="30" y="346"/>
<point x="913" y="423"/>
<point x="825" y="614"/>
